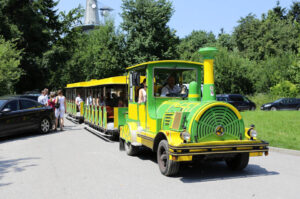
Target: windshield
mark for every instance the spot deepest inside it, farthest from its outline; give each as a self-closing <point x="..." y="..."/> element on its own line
<point x="279" y="100"/>
<point x="2" y="102"/>
<point x="173" y="82"/>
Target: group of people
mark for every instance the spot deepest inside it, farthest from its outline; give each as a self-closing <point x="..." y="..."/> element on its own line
<point x="58" y="103"/>
<point x="112" y="100"/>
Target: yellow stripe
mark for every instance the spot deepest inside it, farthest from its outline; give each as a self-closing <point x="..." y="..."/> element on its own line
<point x="194" y="95"/>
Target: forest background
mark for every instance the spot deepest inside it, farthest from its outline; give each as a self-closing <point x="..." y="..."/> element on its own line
<point x="40" y="47"/>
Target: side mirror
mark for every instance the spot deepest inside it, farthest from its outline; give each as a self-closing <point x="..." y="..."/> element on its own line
<point x="6" y="110"/>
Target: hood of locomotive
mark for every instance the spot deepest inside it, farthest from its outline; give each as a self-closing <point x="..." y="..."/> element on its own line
<point x="204" y="121"/>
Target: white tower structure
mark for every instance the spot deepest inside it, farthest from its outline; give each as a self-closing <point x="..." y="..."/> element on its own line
<point x="91" y="17"/>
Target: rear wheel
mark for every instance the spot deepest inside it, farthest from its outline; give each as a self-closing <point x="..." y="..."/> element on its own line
<point x="45" y="125"/>
<point x="130" y="149"/>
<point x="239" y="162"/>
<point x="166" y="166"/>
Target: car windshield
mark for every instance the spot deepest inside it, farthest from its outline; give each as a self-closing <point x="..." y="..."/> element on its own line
<point x="173" y="82"/>
<point x="279" y="100"/>
<point x="2" y="102"/>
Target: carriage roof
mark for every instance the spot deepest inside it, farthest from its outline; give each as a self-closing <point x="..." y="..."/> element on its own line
<point x="164" y="61"/>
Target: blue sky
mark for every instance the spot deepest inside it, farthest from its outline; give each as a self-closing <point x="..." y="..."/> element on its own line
<point x="189" y="15"/>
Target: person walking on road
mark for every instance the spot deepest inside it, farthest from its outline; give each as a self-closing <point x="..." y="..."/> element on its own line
<point x="60" y="109"/>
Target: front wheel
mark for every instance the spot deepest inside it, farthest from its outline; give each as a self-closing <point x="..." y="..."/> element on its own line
<point x="130" y="149"/>
<point x="238" y="162"/>
<point x="273" y="109"/>
<point x="166" y="166"/>
<point x="45" y="125"/>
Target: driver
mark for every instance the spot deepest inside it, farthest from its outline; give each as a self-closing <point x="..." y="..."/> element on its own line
<point x="170" y="88"/>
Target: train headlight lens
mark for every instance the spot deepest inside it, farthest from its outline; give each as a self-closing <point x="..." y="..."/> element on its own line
<point x="253" y="133"/>
<point x="185" y="135"/>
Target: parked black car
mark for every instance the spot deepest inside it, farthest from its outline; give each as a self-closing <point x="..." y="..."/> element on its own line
<point x="18" y="115"/>
<point x="282" y="104"/>
<point x="239" y="101"/>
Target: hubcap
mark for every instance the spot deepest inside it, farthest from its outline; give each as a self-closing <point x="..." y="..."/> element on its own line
<point x="163" y="159"/>
<point x="45" y="125"/>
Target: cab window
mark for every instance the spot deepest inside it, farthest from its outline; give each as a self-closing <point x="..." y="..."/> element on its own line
<point x="12" y="105"/>
<point x="173" y="82"/>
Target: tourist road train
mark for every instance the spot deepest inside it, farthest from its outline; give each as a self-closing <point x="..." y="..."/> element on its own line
<point x="182" y="126"/>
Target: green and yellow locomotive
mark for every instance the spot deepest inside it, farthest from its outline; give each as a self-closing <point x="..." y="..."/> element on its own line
<point x="181" y="121"/>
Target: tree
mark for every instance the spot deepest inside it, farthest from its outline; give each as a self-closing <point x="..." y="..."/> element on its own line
<point x="147" y="35"/>
<point x="35" y="27"/>
<point x="232" y="72"/>
<point x="188" y="47"/>
<point x="9" y="70"/>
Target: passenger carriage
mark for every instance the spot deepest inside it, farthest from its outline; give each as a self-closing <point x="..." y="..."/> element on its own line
<point x="104" y="104"/>
<point x="188" y="124"/>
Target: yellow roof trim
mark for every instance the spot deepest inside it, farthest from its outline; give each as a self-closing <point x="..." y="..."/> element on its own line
<point x="165" y="61"/>
<point x="75" y="85"/>
<point x="95" y="82"/>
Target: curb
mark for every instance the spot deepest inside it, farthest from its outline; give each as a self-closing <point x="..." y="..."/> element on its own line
<point x="285" y="151"/>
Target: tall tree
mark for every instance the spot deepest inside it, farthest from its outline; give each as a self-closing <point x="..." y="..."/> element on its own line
<point x="9" y="70"/>
<point x="188" y="47"/>
<point x="38" y="27"/>
<point x="148" y="36"/>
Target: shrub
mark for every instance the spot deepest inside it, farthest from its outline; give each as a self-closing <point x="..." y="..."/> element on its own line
<point x="285" y="89"/>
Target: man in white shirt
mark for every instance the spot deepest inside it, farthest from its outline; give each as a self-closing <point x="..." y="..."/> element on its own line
<point x="78" y="100"/>
<point x="46" y="96"/>
<point x="89" y="100"/>
<point x="170" y="88"/>
<point x="41" y="98"/>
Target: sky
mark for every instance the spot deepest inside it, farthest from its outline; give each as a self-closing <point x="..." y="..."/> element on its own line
<point x="189" y="15"/>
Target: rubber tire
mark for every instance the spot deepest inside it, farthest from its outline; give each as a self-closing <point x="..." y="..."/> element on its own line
<point x="167" y="167"/>
<point x="45" y="126"/>
<point x="253" y="108"/>
<point x="130" y="149"/>
<point x="239" y="162"/>
<point x="273" y="108"/>
<point x="298" y="109"/>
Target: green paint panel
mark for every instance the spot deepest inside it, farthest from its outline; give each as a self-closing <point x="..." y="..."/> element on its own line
<point x="218" y="116"/>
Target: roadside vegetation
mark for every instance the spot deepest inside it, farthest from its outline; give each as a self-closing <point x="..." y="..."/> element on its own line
<point x="279" y="128"/>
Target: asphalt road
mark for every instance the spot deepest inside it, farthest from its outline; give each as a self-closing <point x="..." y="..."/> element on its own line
<point x="77" y="164"/>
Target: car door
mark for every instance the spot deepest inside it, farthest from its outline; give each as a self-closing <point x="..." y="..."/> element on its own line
<point x="237" y="101"/>
<point x="284" y="104"/>
<point x="10" y="122"/>
<point x="30" y="111"/>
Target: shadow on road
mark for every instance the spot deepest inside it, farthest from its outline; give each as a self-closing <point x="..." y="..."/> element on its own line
<point x="14" y="165"/>
<point x="215" y="171"/>
<point x="33" y="134"/>
<point x="210" y="170"/>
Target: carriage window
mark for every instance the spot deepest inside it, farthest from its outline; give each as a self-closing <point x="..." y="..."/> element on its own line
<point x="173" y="82"/>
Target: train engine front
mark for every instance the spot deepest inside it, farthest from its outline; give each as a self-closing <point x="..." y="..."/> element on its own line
<point x="205" y="129"/>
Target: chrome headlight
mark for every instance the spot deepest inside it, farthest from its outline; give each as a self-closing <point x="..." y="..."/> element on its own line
<point x="185" y="135"/>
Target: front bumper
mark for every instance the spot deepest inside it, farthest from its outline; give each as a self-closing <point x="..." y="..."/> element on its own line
<point x="185" y="152"/>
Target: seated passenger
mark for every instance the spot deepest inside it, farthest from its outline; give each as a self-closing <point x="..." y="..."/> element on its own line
<point x="142" y="92"/>
<point x="170" y="88"/>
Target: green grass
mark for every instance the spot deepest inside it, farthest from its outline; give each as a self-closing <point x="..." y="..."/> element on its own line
<point x="279" y="128"/>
